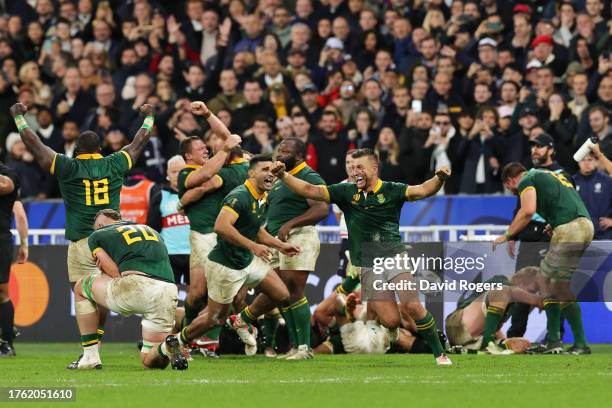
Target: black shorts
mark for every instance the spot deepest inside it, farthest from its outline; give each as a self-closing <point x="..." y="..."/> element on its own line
<point x="343" y="261"/>
<point x="180" y="267"/>
<point x="6" y="258"/>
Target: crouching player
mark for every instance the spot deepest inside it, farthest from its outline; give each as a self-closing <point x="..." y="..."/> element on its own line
<point x="478" y="317"/>
<point x="137" y="278"/>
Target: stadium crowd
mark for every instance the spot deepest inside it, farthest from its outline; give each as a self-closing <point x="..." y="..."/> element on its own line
<point x="462" y="83"/>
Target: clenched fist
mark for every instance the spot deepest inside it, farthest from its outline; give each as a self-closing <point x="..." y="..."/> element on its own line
<point x="18" y="109"/>
<point x="147" y="110"/>
<point x="278" y="169"/>
<point x="443" y="173"/>
<point x="199" y="108"/>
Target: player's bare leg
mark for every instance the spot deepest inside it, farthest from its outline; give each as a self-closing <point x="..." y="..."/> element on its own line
<point x="161" y="349"/>
<point x="194" y="302"/>
<point x="214" y="316"/>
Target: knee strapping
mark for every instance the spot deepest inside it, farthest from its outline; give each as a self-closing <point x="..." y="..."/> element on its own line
<point x="85" y="307"/>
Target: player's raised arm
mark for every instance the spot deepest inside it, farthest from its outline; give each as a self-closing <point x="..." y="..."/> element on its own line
<point x="205" y="173"/>
<point x="43" y="154"/>
<point x="6" y="185"/>
<point x="430" y="187"/>
<point x="216" y="125"/>
<point x="142" y="137"/>
<point x="303" y="188"/>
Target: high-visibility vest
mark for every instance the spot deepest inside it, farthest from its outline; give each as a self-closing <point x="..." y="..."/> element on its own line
<point x="134" y="204"/>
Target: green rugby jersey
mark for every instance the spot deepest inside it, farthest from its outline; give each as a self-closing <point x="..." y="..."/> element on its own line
<point x="89" y="183"/>
<point x="371" y="217"/>
<point x="134" y="247"/>
<point x="250" y="208"/>
<point x="203" y="213"/>
<point x="557" y="200"/>
<point x="283" y="204"/>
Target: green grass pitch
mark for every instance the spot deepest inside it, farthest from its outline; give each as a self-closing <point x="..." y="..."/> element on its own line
<point x="328" y="381"/>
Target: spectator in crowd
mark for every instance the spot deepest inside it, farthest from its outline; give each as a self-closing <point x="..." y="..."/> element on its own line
<point x="326" y="155"/>
<point x="229" y="98"/>
<point x="363" y="135"/>
<point x="301" y="127"/>
<point x="32" y="180"/>
<point x="595" y="189"/>
<point x="562" y="125"/>
<point x="47" y="131"/>
<point x="244" y="117"/>
<point x="388" y="150"/>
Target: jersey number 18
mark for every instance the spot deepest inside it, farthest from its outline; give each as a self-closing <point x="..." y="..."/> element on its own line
<point x="96" y="191"/>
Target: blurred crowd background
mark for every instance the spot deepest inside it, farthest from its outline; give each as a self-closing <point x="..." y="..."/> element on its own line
<point x="464" y="83"/>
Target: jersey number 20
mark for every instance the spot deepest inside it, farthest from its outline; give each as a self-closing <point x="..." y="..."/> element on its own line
<point x="130" y="233"/>
<point x="96" y="191"/>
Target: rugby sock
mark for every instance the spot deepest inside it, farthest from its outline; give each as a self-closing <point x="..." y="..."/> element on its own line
<point x="300" y="311"/>
<point x="420" y="347"/>
<point x="89" y="342"/>
<point x="214" y="333"/>
<point x="7" y="316"/>
<point x="100" y="333"/>
<point x="269" y="325"/>
<point x="494" y="316"/>
<point x="163" y="350"/>
<point x="348" y="285"/>
<point x="553" y="317"/>
<point x="290" y="322"/>
<point x="573" y="314"/>
<point x="190" y="314"/>
<point x="182" y="337"/>
<point x="429" y="333"/>
<point x="247" y="316"/>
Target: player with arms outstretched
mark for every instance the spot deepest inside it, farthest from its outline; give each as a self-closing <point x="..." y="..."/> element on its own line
<point x="136" y="278"/>
<point x="372" y="209"/>
<point x="88" y="183"/>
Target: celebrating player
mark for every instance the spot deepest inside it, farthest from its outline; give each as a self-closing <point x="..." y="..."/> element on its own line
<point x="478" y="317"/>
<point x="88" y="184"/>
<point x="292" y="219"/>
<point x="137" y="278"/>
<point x="242" y="252"/>
<point x="372" y="210"/>
<point x="554" y="197"/>
<point x="225" y="170"/>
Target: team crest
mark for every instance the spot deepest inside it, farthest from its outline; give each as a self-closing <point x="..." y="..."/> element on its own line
<point x="380" y="198"/>
<point x="356" y="197"/>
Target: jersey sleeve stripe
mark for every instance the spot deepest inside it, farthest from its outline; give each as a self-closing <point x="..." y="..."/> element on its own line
<point x="52" y="169"/>
<point x="128" y="157"/>
<point x="326" y="193"/>
<point x="218" y="177"/>
<point x="95" y="251"/>
<point x="230" y="209"/>
<point x="527" y="189"/>
<point x="407" y="194"/>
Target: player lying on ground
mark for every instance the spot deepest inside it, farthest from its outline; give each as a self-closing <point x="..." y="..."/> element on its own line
<point x="137" y="278"/>
<point x="372" y="209"/>
<point x="241" y="254"/>
<point x="476" y="322"/>
<point x="291" y="218"/>
<point x="341" y="324"/>
<point x="88" y="183"/>
<point x="554" y="198"/>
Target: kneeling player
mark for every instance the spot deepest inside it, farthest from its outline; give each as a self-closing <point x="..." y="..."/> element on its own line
<point x="478" y="318"/>
<point x="136" y="278"/>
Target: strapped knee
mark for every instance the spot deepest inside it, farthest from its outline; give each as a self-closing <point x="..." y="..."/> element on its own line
<point x="85" y="307"/>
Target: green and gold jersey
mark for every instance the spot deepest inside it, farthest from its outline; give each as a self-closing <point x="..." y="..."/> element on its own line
<point x="250" y="208"/>
<point x="557" y="200"/>
<point x="203" y="213"/>
<point x="134" y="247"/>
<point x="284" y="204"/>
<point x="370" y="217"/>
<point x="89" y="183"/>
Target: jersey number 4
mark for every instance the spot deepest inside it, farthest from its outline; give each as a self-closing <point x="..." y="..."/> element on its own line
<point x="135" y="233"/>
<point x="96" y="192"/>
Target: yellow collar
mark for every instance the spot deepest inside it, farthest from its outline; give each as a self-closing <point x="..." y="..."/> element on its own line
<point x="238" y="160"/>
<point x="88" y="156"/>
<point x="297" y="168"/>
<point x="253" y="190"/>
<point x="377" y="187"/>
<point x="193" y="166"/>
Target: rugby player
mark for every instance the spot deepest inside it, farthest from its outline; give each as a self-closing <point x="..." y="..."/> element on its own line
<point x="372" y="209"/>
<point x="88" y="183"/>
<point x="225" y="170"/>
<point x="553" y="197"/>
<point x="479" y="316"/>
<point x="136" y="278"/>
<point x="242" y="252"/>
<point x="292" y="218"/>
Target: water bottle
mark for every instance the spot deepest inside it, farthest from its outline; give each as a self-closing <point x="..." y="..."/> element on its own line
<point x="585" y="148"/>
